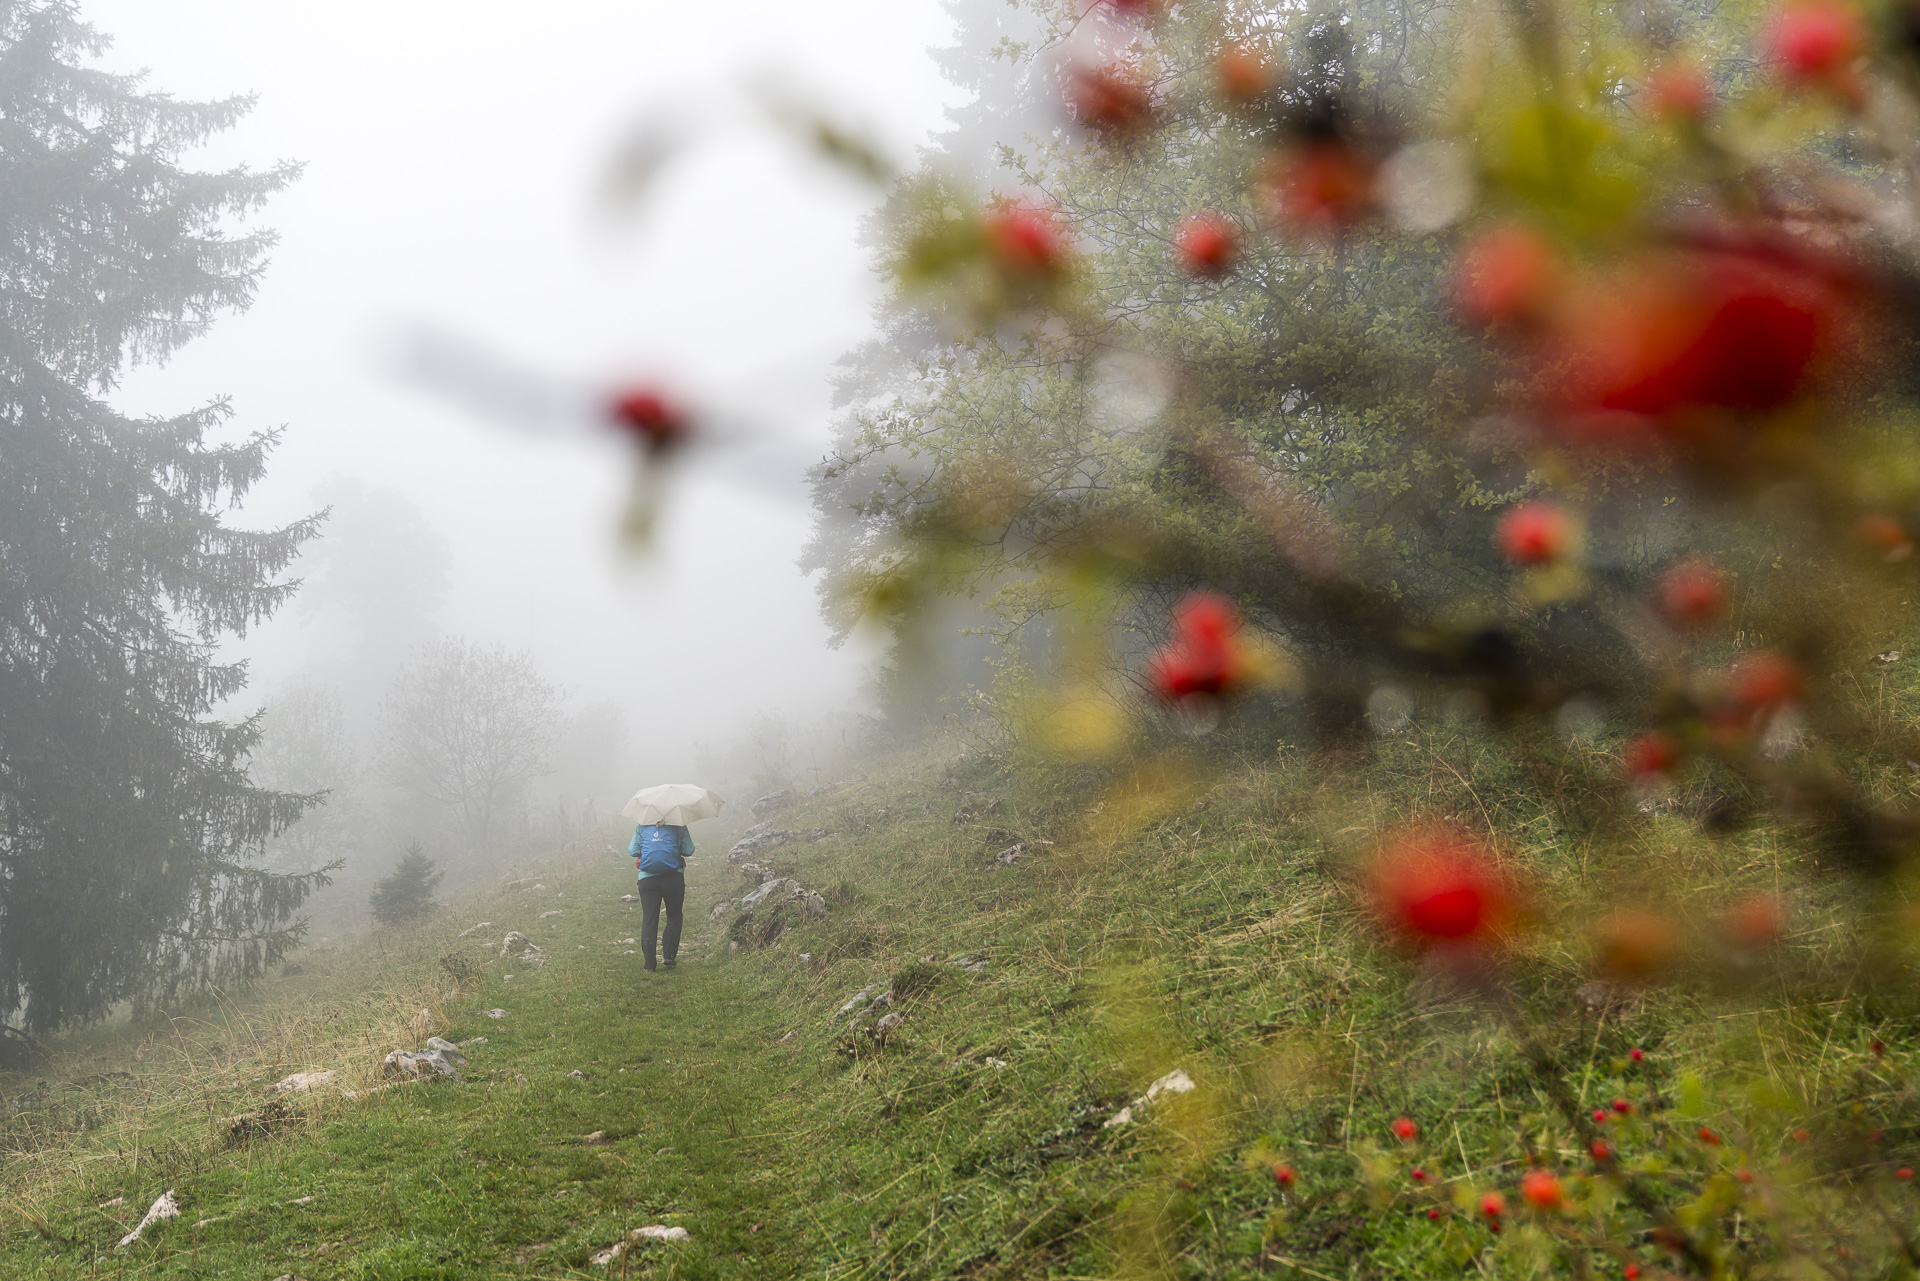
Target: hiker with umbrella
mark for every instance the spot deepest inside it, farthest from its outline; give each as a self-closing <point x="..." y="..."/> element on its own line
<point x="660" y="847"/>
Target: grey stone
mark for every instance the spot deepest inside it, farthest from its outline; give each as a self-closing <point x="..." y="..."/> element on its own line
<point x="856" y="1004"/>
<point x="555" y="912"/>
<point x="888" y="1022"/>
<point x="515" y="944"/>
<point x="416" y="1066"/>
<point x="448" y="1050"/>
<point x="760" y="872"/>
<point x="496" y="1014"/>
<point x="973" y="962"/>
<point x="476" y="928"/>
<point x="629" y="898"/>
<point x="748" y="846"/>
<point x="1010" y="855"/>
<point x="773" y="803"/>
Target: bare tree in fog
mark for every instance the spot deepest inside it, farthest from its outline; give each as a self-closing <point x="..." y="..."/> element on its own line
<point x="305" y="748"/>
<point x="470" y="727"/>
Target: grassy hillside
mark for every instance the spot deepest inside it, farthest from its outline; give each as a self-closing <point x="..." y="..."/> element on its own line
<point x="1167" y="920"/>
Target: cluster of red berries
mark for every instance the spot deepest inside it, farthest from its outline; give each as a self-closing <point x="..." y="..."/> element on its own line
<point x="1438" y="889"/>
<point x="1205" y="656"/>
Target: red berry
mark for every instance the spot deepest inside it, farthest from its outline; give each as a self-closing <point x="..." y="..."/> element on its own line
<point x="1433" y="1215"/>
<point x="1506" y="275"/>
<point x="1493" y="1205"/>
<point x="1284" y="1175"/>
<point x="1743" y="1174"/>
<point x="1801" y="1136"/>
<point x="1024" y="240"/>
<point x="1244" y="76"/>
<point x="1756" y="921"/>
<point x="1534" y="533"/>
<point x="1600" y="1150"/>
<point x="1109" y="99"/>
<point x="1600" y="1116"/>
<point x="1651" y="756"/>
<point x="1541" y="1189"/>
<point x="1631" y="1271"/>
<point x="1709" y="1137"/>
<point x="1434" y="888"/>
<point x="1886" y="536"/>
<point x="1677" y="90"/>
<point x="1878" y="1047"/>
<point x="1903" y="1174"/>
<point x="1637" y="1054"/>
<point x="1735" y="331"/>
<point x="1406" y="1129"/>
<point x="1815" y="41"/>
<point x="1322" y="185"/>
<point x="1635" y="947"/>
<point x="1622" y="1106"/>
<point x="1765" y="679"/>
<point x="1876" y="1136"/>
<point x="1419" y="1175"/>
<point x="1693" y="594"/>
<point x="651" y="417"/>
<point x="1206" y="244"/>
<point x="1203" y="656"/>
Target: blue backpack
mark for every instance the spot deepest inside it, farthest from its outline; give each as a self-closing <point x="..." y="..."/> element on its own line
<point x="660" y="849"/>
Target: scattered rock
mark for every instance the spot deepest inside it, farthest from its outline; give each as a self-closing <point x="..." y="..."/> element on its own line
<point x="820" y="834"/>
<point x="515" y="944"/>
<point x="119" y="1200"/>
<point x="1174" y="1082"/>
<point x="598" y="1136"/>
<point x="475" y="1040"/>
<point x="1010" y="855"/>
<point x="629" y="898"/>
<point x="972" y="962"/>
<point x="660" y="1232"/>
<point x="760" y="872"/>
<point x="998" y="1065"/>
<point x="770" y="911"/>
<point x="856" y="1003"/>
<point x="577" y="1075"/>
<point x="888" y="1022"/>
<point x="301" y="1082"/>
<point x="448" y="1050"/>
<point x="475" y="928"/>
<point x="496" y="1014"/>
<point x="544" y="915"/>
<point x="772" y="803"/>
<point x="1891" y="656"/>
<point x="721" y="909"/>
<point x="625" y="942"/>
<point x="300" y="1200"/>
<point x="748" y="846"/>
<point x="418" y="1065"/>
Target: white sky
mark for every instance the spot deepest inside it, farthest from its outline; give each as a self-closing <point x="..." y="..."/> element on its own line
<point x="451" y="150"/>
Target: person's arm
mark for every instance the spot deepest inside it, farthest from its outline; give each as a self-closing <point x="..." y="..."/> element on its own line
<point x="686" y="843"/>
<point x="633" y="846"/>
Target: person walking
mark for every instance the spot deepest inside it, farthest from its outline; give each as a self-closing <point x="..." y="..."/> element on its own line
<point x="660" y="853"/>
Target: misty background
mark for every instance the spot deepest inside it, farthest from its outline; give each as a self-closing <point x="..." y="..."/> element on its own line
<point x="451" y="153"/>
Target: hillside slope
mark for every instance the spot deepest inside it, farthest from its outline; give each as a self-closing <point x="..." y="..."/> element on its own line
<point x="1168" y="927"/>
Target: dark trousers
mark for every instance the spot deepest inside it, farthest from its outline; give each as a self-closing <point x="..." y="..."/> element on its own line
<point x="662" y="887"/>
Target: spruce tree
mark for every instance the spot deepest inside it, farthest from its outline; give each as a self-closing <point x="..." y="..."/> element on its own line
<point x="406" y="895"/>
<point x="130" y="833"/>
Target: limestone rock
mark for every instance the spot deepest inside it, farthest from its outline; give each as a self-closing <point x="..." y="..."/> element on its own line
<point x="772" y="803"/>
<point x="514" y="943"/>
<point x="164" y="1208"/>
<point x="660" y="1232"/>
<point x="972" y="962"/>
<point x="496" y="1014"/>
<point x="544" y="915"/>
<point x="1174" y="1082"/>
<point x="820" y="834"/>
<point x="629" y="898"/>
<point x="856" y="1003"/>
<point x="448" y="1050"/>
<point x="475" y="928"/>
<point x="760" y="872"/>
<point x="301" y="1082"/>
<point x="577" y="1075"/>
<point x="772" y="910"/>
<point x="748" y="846"/>
<point x="1010" y="855"/>
<point x="720" y="909"/>
<point x="424" y="1065"/>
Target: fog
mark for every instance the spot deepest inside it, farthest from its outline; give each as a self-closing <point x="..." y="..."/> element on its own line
<point x="452" y="152"/>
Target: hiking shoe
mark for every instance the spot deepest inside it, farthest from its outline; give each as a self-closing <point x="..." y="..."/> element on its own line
<point x="649" y="967"/>
<point x="667" y="965"/>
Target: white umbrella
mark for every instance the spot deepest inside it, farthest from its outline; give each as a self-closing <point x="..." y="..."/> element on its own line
<point x="679" y="803"/>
